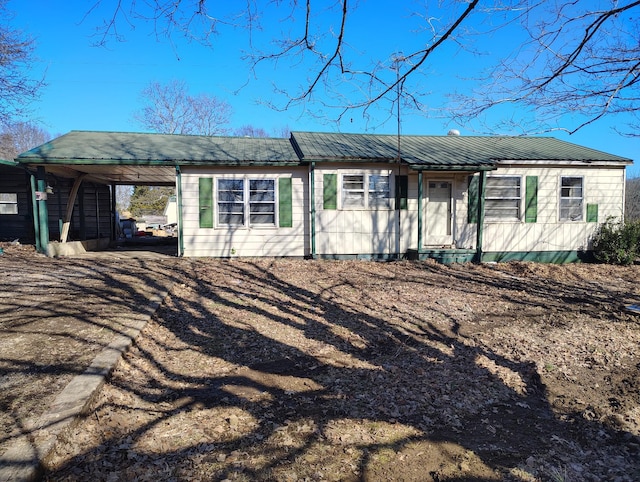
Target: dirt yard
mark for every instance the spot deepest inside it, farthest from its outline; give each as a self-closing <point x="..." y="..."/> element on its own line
<point x="320" y="370"/>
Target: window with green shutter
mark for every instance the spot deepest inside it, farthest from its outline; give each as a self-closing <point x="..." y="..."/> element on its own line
<point x="531" y="202"/>
<point x="285" y="208"/>
<point x="205" y="200"/>
<point x="330" y="191"/>
<point x="473" y="191"/>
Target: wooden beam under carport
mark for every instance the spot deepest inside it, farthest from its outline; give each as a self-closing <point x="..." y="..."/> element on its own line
<point x="69" y="212"/>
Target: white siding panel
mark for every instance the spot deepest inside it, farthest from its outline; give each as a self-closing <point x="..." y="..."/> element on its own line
<point x="602" y="186"/>
<point x="362" y="231"/>
<point x="223" y="241"/>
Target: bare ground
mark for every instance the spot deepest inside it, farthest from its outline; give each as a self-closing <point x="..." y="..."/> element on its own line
<point x="314" y="370"/>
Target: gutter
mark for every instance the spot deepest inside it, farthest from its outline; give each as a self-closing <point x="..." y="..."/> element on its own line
<point x="491" y="167"/>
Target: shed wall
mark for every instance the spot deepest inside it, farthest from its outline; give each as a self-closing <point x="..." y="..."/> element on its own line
<point x="18" y="226"/>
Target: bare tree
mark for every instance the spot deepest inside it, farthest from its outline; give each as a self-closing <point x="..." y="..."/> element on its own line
<point x="575" y="57"/>
<point x="170" y="109"/>
<point x="18" y="137"/>
<point x="632" y="200"/>
<point x="581" y="58"/>
<point x="250" y="131"/>
<point x="17" y="89"/>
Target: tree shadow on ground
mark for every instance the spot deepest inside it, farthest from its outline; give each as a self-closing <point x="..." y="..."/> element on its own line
<point x="55" y="317"/>
<point x="347" y="371"/>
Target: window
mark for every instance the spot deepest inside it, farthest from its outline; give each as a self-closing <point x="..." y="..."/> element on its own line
<point x="231" y="201"/>
<point x="365" y="190"/>
<point x="8" y="203"/>
<point x="571" y="198"/>
<point x="262" y="201"/>
<point x="502" y="198"/>
<point x="353" y="191"/>
<point x="236" y="197"/>
<point x="379" y="191"/>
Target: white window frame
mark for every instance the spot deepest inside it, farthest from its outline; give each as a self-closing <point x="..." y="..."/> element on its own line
<point x="569" y="198"/>
<point x="503" y="198"/>
<point x="247" y="202"/>
<point x="369" y="201"/>
<point x="8" y="203"/>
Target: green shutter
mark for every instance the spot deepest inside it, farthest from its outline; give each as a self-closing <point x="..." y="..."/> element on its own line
<point x="205" y="196"/>
<point x="531" y="200"/>
<point x="330" y="191"/>
<point x="285" y="207"/>
<point x="472" y="210"/>
<point x="592" y="213"/>
<point x="402" y="191"/>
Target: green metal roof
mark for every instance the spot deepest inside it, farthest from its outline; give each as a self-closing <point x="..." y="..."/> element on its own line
<point x="4" y="162"/>
<point x="143" y="158"/>
<point x="442" y="152"/>
<point x="86" y="147"/>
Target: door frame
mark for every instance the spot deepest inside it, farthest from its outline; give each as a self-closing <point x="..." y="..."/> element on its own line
<point x="428" y="240"/>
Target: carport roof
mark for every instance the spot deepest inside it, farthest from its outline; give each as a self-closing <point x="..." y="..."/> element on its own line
<point x="136" y="158"/>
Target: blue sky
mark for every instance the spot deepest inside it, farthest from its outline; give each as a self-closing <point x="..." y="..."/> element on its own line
<point x="98" y="88"/>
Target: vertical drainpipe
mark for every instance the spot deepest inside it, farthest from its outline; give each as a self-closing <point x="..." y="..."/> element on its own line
<point x="36" y="217"/>
<point x="481" y="193"/>
<point x="43" y="212"/>
<point x="179" y="206"/>
<point x="420" y="194"/>
<point x="312" y="195"/>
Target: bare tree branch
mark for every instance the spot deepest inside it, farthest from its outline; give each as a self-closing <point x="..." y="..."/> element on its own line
<point x="578" y="58"/>
<point x="17" y="88"/>
<point x="170" y="109"/>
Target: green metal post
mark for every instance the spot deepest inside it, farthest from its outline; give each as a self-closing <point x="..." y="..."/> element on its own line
<point x="36" y="218"/>
<point x="179" y="205"/>
<point x="481" y="195"/>
<point x="420" y="194"/>
<point x="43" y="212"/>
<point x="312" y="194"/>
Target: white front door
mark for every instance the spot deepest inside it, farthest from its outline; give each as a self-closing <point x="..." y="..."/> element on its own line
<point x="438" y="214"/>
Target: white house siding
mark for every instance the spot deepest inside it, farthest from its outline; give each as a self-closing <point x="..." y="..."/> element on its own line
<point x="364" y="231"/>
<point x="602" y="186"/>
<point x="225" y="241"/>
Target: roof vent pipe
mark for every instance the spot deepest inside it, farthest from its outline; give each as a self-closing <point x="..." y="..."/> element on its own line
<point x="453" y="132"/>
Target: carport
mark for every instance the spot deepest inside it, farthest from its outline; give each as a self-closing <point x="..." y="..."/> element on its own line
<point x="108" y="159"/>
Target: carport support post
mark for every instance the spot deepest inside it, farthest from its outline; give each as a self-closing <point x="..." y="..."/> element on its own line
<point x="43" y="212"/>
<point x="312" y="203"/>
<point x="69" y="212"/>
<point x="114" y="218"/>
<point x="179" y="203"/>
<point x="481" y="193"/>
<point x="420" y="195"/>
<point x="36" y="217"/>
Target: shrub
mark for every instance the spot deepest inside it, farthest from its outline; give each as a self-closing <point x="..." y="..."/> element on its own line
<point x="617" y="242"/>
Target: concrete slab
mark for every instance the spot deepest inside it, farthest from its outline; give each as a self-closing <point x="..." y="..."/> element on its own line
<point x="22" y="461"/>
